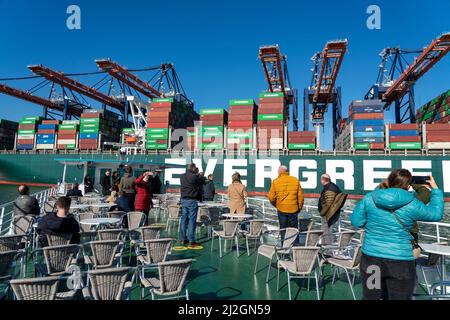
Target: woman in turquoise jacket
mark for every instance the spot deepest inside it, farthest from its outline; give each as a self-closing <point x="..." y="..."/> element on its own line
<point x="387" y="262"/>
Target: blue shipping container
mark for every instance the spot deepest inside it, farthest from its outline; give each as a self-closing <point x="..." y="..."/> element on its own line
<point x="24" y="147"/>
<point x="46" y="126"/>
<point x="45" y="141"/>
<point x="403" y="133"/>
<point x="371" y="140"/>
<point x="88" y="135"/>
<point x="369" y="129"/>
<point x="366" y="123"/>
<point x="368" y="134"/>
<point x="367" y="109"/>
<point x="45" y="136"/>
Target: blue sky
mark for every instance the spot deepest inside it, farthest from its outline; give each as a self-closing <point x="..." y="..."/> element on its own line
<point x="214" y="44"/>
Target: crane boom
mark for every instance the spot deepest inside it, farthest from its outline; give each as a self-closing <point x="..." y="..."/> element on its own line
<point x="24" y="95"/>
<point x="422" y="64"/>
<point x="123" y="75"/>
<point x="61" y="79"/>
<point x="272" y="59"/>
<point x="331" y="60"/>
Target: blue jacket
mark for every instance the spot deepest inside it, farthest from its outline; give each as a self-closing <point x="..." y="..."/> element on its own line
<point x="384" y="236"/>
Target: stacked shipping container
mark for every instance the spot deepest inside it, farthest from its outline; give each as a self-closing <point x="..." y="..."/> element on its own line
<point x="46" y="135"/>
<point x="241" y="118"/>
<point x="367" y="117"/>
<point x="97" y="127"/>
<point x="67" y="135"/>
<point x="437" y="110"/>
<point x="302" y="140"/>
<point x="272" y="116"/>
<point x="213" y="122"/>
<point x="8" y="130"/>
<point x="404" y="137"/>
<point x="27" y="132"/>
<point x="437" y="136"/>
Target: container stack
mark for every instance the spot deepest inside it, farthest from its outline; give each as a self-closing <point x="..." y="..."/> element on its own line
<point x="404" y="137"/>
<point x="8" y="130"/>
<point x="128" y="136"/>
<point x="436" y="110"/>
<point x="272" y="116"/>
<point x="166" y="113"/>
<point x="190" y="144"/>
<point x="213" y="121"/>
<point x="367" y="117"/>
<point x="27" y="132"/>
<point x="302" y="140"/>
<point x="67" y="135"/>
<point x="241" y="118"/>
<point x="437" y="136"/>
<point x="97" y="127"/>
<point x="46" y="135"/>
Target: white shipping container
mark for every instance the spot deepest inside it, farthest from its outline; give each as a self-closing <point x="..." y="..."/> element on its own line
<point x="276" y="146"/>
<point x="233" y="140"/>
<point x="276" y="140"/>
<point x="67" y="141"/>
<point x="25" y="136"/>
<point x="438" y="145"/>
<point x="44" y="146"/>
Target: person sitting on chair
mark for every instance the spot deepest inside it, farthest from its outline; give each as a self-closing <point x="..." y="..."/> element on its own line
<point x="74" y="192"/>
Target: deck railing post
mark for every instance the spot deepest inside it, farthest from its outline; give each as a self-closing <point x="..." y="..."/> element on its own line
<point x="2" y="214"/>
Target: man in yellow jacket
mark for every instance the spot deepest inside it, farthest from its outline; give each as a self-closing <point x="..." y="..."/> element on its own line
<point x="286" y="195"/>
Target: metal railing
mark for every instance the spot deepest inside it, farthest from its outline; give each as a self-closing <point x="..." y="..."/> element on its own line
<point x="7" y="209"/>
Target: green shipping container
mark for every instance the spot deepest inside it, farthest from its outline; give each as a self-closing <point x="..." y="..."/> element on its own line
<point x="210" y="111"/>
<point x="240" y="135"/>
<point x="71" y="146"/>
<point x="89" y="126"/>
<point x="263" y="117"/>
<point x="191" y="134"/>
<point x="67" y="127"/>
<point x="35" y="118"/>
<point x="157" y="130"/>
<point x="301" y="146"/>
<point x="361" y="146"/>
<point x="90" y="120"/>
<point x="271" y="95"/>
<point x="209" y="146"/>
<point x="28" y="121"/>
<point x="157" y="136"/>
<point x="75" y="122"/>
<point x="154" y="146"/>
<point x="162" y="100"/>
<point x="128" y="130"/>
<point x="405" y="145"/>
<point x="86" y="130"/>
<point x="26" y="132"/>
<point x="241" y="102"/>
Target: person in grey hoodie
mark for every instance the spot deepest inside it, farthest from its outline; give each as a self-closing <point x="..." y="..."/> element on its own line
<point x="127" y="186"/>
<point x="26" y="204"/>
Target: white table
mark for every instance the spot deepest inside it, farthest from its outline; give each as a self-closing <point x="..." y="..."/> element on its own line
<point x="211" y="204"/>
<point x="79" y="206"/>
<point x="237" y="216"/>
<point x="443" y="251"/>
<point x="100" y="221"/>
<point x="102" y="205"/>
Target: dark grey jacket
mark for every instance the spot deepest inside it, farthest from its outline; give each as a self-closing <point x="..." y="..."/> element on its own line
<point x="127" y="183"/>
<point x="191" y="184"/>
<point x="209" y="190"/>
<point x="25" y="205"/>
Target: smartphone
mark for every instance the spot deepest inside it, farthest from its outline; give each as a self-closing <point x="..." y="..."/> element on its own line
<point x="420" y="180"/>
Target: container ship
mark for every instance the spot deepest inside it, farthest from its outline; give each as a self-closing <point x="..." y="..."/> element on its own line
<point x="151" y="124"/>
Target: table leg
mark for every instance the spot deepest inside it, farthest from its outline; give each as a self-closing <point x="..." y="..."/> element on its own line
<point x="443" y="275"/>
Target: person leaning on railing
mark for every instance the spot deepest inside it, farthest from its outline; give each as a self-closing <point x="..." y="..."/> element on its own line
<point x="388" y="252"/>
<point x="26" y="204"/>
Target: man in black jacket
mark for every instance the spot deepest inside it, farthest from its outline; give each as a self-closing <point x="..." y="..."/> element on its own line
<point x="191" y="183"/>
<point x="59" y="223"/>
<point x="26" y="204"/>
<point x="74" y="192"/>
<point x="156" y="183"/>
<point x="106" y="183"/>
<point x="209" y="190"/>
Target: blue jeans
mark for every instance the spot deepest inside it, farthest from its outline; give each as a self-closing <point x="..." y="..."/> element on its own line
<point x="189" y="209"/>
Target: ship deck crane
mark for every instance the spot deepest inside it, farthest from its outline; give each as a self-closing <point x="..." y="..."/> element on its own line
<point x="277" y="77"/>
<point x="392" y="91"/>
<point x="323" y="90"/>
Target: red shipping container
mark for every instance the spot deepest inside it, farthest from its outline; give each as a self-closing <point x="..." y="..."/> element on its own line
<point x="368" y="116"/>
<point x="158" y="120"/>
<point x="158" y="125"/>
<point x="67" y="132"/>
<point x="377" y="146"/>
<point x="241" y="117"/>
<point x="302" y="134"/>
<point x="212" y="122"/>
<point x="244" y="112"/>
<point x="301" y="139"/>
<point x="438" y="138"/>
<point x="50" y="121"/>
<point x="66" y="136"/>
<point x="212" y="117"/>
<point x="439" y="127"/>
<point x="25" y="141"/>
<point x="159" y="114"/>
<point x="240" y="124"/>
<point x="91" y="115"/>
<point x="271" y="110"/>
<point x="409" y="126"/>
<point x="88" y="141"/>
<point x="240" y="129"/>
<point x="271" y="100"/>
<point x="161" y="104"/>
<point x="278" y="123"/>
<point x="47" y="131"/>
<point x="404" y="139"/>
<point x="27" y="127"/>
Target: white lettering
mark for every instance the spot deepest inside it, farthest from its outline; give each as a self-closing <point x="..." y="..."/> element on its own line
<point x="210" y="166"/>
<point x="446" y="177"/>
<point x="170" y="172"/>
<point x="417" y="164"/>
<point x="260" y="171"/>
<point x="311" y="176"/>
<point x="369" y="174"/>
<point x="347" y="175"/>
<point x="229" y="167"/>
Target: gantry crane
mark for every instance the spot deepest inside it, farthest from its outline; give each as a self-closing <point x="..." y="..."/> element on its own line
<point x="277" y="77"/>
<point x="393" y="66"/>
<point x="323" y="90"/>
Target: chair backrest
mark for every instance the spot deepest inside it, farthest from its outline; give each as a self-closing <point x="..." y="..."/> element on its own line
<point x="110" y="234"/>
<point x="345" y="238"/>
<point x="362" y="233"/>
<point x="83" y="216"/>
<point x="150" y="232"/>
<point x="305" y="224"/>
<point x="108" y="284"/>
<point x="10" y="243"/>
<point x="230" y="227"/>
<point x="174" y="211"/>
<point x="157" y="250"/>
<point x="35" y="288"/>
<point x="172" y="275"/>
<point x="356" y="259"/>
<point x="201" y="213"/>
<point x="22" y="224"/>
<point x="59" y="258"/>
<point x="58" y="239"/>
<point x="7" y="259"/>
<point x="288" y="237"/>
<point x="305" y="258"/>
<point x="135" y="219"/>
<point x="49" y="206"/>
<point x="103" y="252"/>
<point x="256" y="227"/>
<point x="313" y="237"/>
<point x="116" y="214"/>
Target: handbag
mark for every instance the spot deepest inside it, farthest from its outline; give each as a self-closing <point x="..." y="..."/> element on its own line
<point x="417" y="250"/>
